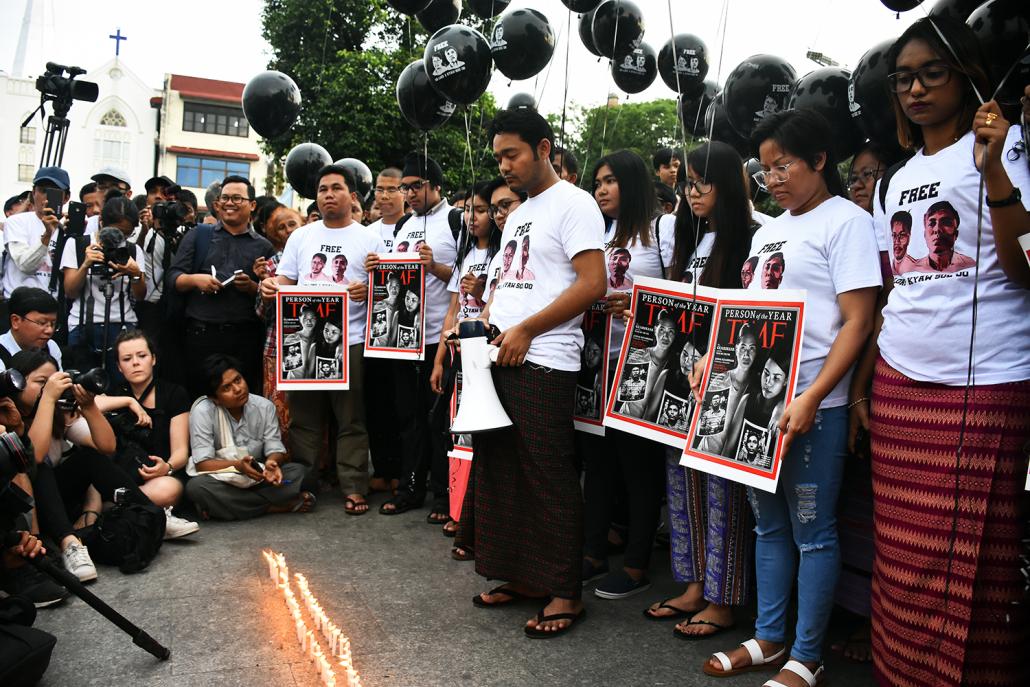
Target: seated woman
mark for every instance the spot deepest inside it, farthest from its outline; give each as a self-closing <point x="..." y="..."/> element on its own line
<point x="71" y="449"/>
<point x="158" y="444"/>
<point x="238" y="465"/>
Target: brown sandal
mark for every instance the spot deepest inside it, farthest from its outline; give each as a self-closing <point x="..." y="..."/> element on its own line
<point x="463" y="553"/>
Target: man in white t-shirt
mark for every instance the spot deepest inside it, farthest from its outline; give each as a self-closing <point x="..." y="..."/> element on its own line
<point x="529" y="507"/>
<point x="333" y="237"/>
<point x="429" y="232"/>
<point x="33" y="322"/>
<point x="391" y="204"/>
<point x="31" y="237"/>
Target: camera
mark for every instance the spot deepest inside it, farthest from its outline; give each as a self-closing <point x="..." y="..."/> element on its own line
<point x="115" y="249"/>
<point x="11" y="382"/>
<point x="63" y="90"/>
<point x="170" y="214"/>
<point x="94" y="381"/>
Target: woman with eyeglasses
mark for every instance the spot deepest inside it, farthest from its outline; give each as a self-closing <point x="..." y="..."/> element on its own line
<point x="947" y="412"/>
<point x="709" y="519"/>
<point x="867" y="166"/>
<point x="826" y="245"/>
<point x="619" y="461"/>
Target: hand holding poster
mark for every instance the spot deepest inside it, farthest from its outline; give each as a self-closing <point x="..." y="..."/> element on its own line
<point x="396" y="317"/>
<point x="311" y="339"/>
<point x="668" y="333"/>
<point x="749" y="379"/>
<point x="592" y="383"/>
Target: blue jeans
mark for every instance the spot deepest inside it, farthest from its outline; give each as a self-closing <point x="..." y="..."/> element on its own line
<point x="800" y="518"/>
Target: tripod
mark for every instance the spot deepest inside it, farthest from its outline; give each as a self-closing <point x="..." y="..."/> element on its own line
<point x="56" y="135"/>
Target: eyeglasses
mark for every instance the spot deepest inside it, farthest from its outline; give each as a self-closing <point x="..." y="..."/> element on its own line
<point x="412" y="188"/>
<point x="51" y="325"/>
<point x="1016" y="151"/>
<point x="779" y="174"/>
<point x="503" y="208"/>
<point x="863" y="177"/>
<point x="387" y="190"/>
<point x="930" y="76"/>
<point x="702" y="187"/>
<point x="235" y="200"/>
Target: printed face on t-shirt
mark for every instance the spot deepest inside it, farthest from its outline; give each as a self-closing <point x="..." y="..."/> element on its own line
<point x="317" y="263"/>
<point x="900" y="236"/>
<point x="618" y="262"/>
<point x="339" y="266"/>
<point x="940" y="229"/>
<point x="747" y="272"/>
<point x="772" y="272"/>
<point x="509" y="255"/>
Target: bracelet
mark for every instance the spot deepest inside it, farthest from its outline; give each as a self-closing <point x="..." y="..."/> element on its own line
<point x="855" y="403"/>
<point x="170" y="469"/>
<point x="1012" y="199"/>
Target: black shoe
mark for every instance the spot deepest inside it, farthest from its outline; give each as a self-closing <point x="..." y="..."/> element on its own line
<point x="593" y="572"/>
<point x="28" y="582"/>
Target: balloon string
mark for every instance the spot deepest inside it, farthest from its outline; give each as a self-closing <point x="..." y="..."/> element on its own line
<point x="565" y="95"/>
<point x="325" y="43"/>
<point x="682" y="125"/>
<point x="538" y="92"/>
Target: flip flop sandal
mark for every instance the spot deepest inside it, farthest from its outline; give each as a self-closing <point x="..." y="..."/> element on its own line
<point x="306" y="503"/>
<point x="802" y="671"/>
<point x="463" y="553"/>
<point x="438" y="517"/>
<point x="693" y="638"/>
<point x="535" y="633"/>
<point x="758" y="661"/>
<point x="675" y="615"/>
<point x="450" y="531"/>
<point x="350" y="506"/>
<point x="401" y="504"/>
<point x="514" y="597"/>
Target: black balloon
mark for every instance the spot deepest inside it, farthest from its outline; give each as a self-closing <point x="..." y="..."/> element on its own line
<point x="522" y="100"/>
<point x="302" y="166"/>
<point x="271" y="103"/>
<point x="959" y="10"/>
<point x="759" y="86"/>
<point x="694" y="106"/>
<point x="439" y="14"/>
<point x="869" y="99"/>
<point x="409" y="6"/>
<point x="635" y="71"/>
<point x="586" y="32"/>
<point x="581" y="6"/>
<point x="522" y="44"/>
<point x="825" y="90"/>
<point x="901" y="5"/>
<point x="457" y="60"/>
<point x="421" y="105"/>
<point x="717" y="127"/>
<point x="487" y="8"/>
<point x="362" y="176"/>
<point x="618" y="27"/>
<point x="1002" y="27"/>
<point x="683" y="63"/>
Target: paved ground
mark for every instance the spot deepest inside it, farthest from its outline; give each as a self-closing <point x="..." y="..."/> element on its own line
<point x="391" y="585"/>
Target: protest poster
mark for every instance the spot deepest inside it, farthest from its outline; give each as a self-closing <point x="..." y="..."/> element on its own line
<point x="459" y="457"/>
<point x="396" y="319"/>
<point x="592" y="382"/>
<point x="311" y="339"/>
<point x="748" y="380"/>
<point x="462" y="443"/>
<point x="669" y="332"/>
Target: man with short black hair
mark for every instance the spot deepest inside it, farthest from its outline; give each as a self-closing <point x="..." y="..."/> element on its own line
<point x="214" y="271"/>
<point x="667" y="163"/>
<point x="565" y="164"/>
<point x="312" y="214"/>
<point x="19" y="203"/>
<point x="91" y="197"/>
<point x="33" y="322"/>
<point x="31" y="237"/>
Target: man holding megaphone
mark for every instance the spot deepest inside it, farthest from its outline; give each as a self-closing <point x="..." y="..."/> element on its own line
<point x="529" y="516"/>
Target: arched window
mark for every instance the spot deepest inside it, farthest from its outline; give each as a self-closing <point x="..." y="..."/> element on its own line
<point x="112" y="118"/>
<point x="111" y="142"/>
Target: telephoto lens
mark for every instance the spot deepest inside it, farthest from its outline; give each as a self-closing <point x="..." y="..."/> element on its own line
<point x="11" y="383"/>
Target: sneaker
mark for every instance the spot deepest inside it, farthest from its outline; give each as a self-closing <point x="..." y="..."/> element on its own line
<point x="593" y="572"/>
<point x="619" y="585"/>
<point x="178" y="527"/>
<point x="78" y="563"/>
<point x="35" y="586"/>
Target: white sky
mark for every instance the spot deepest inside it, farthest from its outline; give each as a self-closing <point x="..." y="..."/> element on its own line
<point x="222" y="40"/>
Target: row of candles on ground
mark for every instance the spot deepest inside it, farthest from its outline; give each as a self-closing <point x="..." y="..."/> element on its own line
<point x="327" y="663"/>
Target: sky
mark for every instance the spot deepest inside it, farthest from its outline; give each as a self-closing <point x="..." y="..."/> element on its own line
<point x="222" y="40"/>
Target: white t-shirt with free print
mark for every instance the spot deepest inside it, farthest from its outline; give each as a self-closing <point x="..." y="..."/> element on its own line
<point x="434" y="229"/>
<point x="476" y="261"/>
<point x="383" y="231"/>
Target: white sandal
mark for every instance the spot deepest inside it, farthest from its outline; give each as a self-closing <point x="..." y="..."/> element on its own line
<point x="759" y="661"/>
<point x="802" y="671"/>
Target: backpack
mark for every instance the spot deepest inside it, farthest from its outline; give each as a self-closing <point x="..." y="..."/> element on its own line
<point x="175" y="301"/>
<point x="128" y="535"/>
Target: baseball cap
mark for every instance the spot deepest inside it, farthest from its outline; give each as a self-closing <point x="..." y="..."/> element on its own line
<point x="112" y="172"/>
<point x="54" y="175"/>
<point x="158" y="181"/>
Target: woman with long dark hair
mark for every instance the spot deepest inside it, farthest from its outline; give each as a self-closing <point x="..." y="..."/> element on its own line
<point x="625" y="194"/>
<point x="949" y="420"/>
<point x="709" y="518"/>
<point x="825" y="245"/>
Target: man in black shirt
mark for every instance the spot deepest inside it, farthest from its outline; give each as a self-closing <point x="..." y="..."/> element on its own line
<point x="213" y="271"/>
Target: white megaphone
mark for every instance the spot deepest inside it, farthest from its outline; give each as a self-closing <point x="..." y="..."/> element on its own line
<point x="480" y="410"/>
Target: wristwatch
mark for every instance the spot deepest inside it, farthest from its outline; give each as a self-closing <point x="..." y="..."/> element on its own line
<point x="1013" y="198"/>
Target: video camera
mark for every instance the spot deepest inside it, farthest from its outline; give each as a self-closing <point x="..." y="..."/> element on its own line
<point x="115" y="248"/>
<point x="63" y="90"/>
<point x="93" y="381"/>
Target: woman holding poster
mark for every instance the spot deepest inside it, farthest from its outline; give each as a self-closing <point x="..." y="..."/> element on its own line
<point x="709" y="518"/>
<point x="625" y="195"/>
<point x="825" y="244"/>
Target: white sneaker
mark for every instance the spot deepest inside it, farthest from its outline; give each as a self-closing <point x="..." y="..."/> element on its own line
<point x="77" y="562"/>
<point x="178" y="527"/>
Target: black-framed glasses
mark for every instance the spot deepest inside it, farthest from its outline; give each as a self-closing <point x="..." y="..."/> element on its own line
<point x="702" y="186"/>
<point x="779" y="174"/>
<point x="234" y="200"/>
<point x="412" y="188"/>
<point x="51" y="325"/>
<point x="930" y="76"/>
<point x="387" y="190"/>
<point x="503" y="207"/>
<point x="864" y="176"/>
<point x="1016" y="151"/>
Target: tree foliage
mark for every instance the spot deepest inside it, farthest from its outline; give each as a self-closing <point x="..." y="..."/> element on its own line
<point x="345" y="56"/>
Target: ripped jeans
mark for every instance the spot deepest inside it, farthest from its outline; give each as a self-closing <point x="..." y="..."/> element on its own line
<point x="800" y="519"/>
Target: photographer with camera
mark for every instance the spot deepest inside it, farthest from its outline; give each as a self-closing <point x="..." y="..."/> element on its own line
<point x="152" y="424"/>
<point x="33" y="314"/>
<point x="102" y="279"/>
<point x="31" y="237"/>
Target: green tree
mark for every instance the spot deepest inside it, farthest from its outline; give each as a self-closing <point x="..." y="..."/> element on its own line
<point x="345" y="56"/>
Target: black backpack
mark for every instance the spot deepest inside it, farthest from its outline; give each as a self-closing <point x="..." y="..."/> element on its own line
<point x="128" y="535"/>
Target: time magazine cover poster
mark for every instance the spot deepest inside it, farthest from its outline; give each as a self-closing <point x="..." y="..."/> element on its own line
<point x="396" y="317"/>
<point x="592" y="383"/>
<point x="311" y="339"/>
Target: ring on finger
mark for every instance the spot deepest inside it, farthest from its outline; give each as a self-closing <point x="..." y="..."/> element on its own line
<point x="991" y="116"/>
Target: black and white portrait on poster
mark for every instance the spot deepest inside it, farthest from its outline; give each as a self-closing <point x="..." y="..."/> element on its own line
<point x="592" y="382"/>
<point x="311" y="336"/>
<point x="396" y="318"/>
<point x="668" y="333"/>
